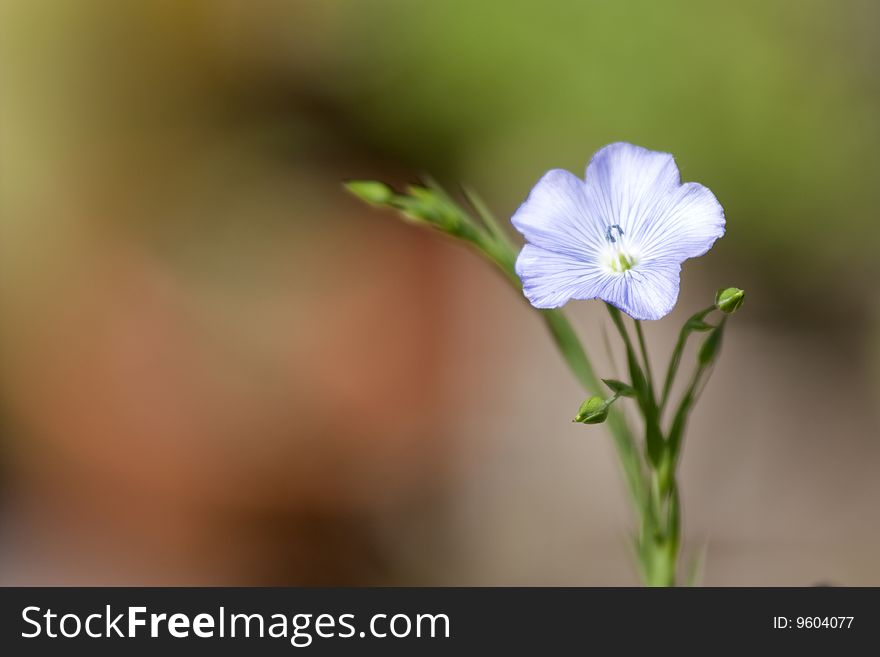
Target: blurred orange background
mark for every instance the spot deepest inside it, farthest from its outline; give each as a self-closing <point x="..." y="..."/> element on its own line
<point x="217" y="368"/>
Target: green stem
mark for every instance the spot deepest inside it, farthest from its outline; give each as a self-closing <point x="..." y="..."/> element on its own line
<point x="675" y="360"/>
<point x="503" y="254"/>
<point x="660" y="570"/>
<point x="659" y="535"/>
<point x="676" y="431"/>
<point x="572" y="352"/>
<point x="644" y="394"/>
<point x="673" y="366"/>
<point x="645" y="359"/>
<point x="433" y="207"/>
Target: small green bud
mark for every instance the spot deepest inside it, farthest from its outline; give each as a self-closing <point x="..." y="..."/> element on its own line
<point x="371" y="191"/>
<point x="593" y="411"/>
<point x="729" y="300"/>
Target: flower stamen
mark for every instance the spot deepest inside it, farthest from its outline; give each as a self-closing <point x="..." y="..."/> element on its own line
<point x="618" y="258"/>
<point x="609" y="232"/>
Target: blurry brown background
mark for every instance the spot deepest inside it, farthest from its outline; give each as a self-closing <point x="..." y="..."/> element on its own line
<point x="216" y="368"/>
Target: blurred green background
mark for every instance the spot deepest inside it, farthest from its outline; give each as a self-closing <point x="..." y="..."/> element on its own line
<point x="217" y="368"/>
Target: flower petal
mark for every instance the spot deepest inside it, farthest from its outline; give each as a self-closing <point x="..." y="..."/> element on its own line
<point x="641" y="191"/>
<point x="558" y="215"/>
<point x="628" y="181"/>
<point x="551" y="279"/>
<point x="686" y="226"/>
<point x="646" y="292"/>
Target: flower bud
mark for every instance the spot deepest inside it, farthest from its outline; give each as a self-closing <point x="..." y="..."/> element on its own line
<point x="729" y="300"/>
<point x="593" y="411"/>
<point x="370" y="191"/>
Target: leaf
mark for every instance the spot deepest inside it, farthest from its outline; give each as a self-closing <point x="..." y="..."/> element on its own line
<point x="708" y="352"/>
<point x="484" y="213"/>
<point x="619" y="387"/>
<point x="711" y="346"/>
<point x="698" y="325"/>
<point x="693" y="324"/>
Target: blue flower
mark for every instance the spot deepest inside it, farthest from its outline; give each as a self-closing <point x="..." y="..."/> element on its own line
<point x="619" y="236"/>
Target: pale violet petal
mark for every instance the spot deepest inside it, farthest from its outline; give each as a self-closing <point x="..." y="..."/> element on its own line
<point x="558" y="216"/>
<point x="641" y="191"/>
<point x="551" y="279"/>
<point x="645" y="292"/>
<point x="685" y="226"/>
<point x="628" y="182"/>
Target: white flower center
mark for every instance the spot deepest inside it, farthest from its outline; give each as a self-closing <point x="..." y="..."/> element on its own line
<point x="618" y="256"/>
